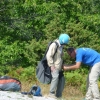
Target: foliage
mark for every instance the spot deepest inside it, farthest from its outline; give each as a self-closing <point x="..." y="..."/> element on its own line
<point x="32" y="52"/>
<point x="11" y="54"/>
<point x="23" y="74"/>
<point x="77" y="79"/>
<point x="28" y="22"/>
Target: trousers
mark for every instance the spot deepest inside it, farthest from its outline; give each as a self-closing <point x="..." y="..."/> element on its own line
<point x="92" y="83"/>
<point x="57" y="83"/>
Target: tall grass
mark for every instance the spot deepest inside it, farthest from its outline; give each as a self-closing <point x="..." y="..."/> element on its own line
<point x="69" y="92"/>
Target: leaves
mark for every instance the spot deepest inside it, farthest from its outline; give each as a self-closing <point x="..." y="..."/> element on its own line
<point x="27" y="26"/>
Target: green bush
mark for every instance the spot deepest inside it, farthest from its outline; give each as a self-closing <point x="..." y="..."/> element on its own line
<point x="77" y="78"/>
<point x="23" y="74"/>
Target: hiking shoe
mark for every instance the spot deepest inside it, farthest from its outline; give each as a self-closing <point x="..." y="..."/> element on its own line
<point x="52" y="96"/>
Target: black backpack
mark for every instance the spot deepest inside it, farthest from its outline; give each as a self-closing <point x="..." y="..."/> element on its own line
<point x="43" y="71"/>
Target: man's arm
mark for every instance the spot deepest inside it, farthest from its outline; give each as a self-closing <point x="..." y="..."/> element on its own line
<point x="72" y="67"/>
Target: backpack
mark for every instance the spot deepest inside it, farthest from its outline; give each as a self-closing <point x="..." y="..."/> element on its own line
<point x="9" y="84"/>
<point x="35" y="91"/>
<point x="43" y="71"/>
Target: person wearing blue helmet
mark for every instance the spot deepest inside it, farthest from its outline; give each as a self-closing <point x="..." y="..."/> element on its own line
<point x="55" y="62"/>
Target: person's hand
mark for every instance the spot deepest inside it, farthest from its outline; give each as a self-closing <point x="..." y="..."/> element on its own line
<point x="66" y="68"/>
<point x="52" y="68"/>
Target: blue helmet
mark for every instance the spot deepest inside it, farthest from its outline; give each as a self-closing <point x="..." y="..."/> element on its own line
<point x="64" y="38"/>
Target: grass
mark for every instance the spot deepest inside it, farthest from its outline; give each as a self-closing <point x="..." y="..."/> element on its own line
<point x="69" y="93"/>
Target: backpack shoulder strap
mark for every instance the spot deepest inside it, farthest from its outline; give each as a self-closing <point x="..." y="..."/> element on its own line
<point x="49" y="46"/>
<point x="56" y="48"/>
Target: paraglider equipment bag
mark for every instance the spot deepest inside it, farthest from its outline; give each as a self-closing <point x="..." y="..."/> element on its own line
<point x="9" y="84"/>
